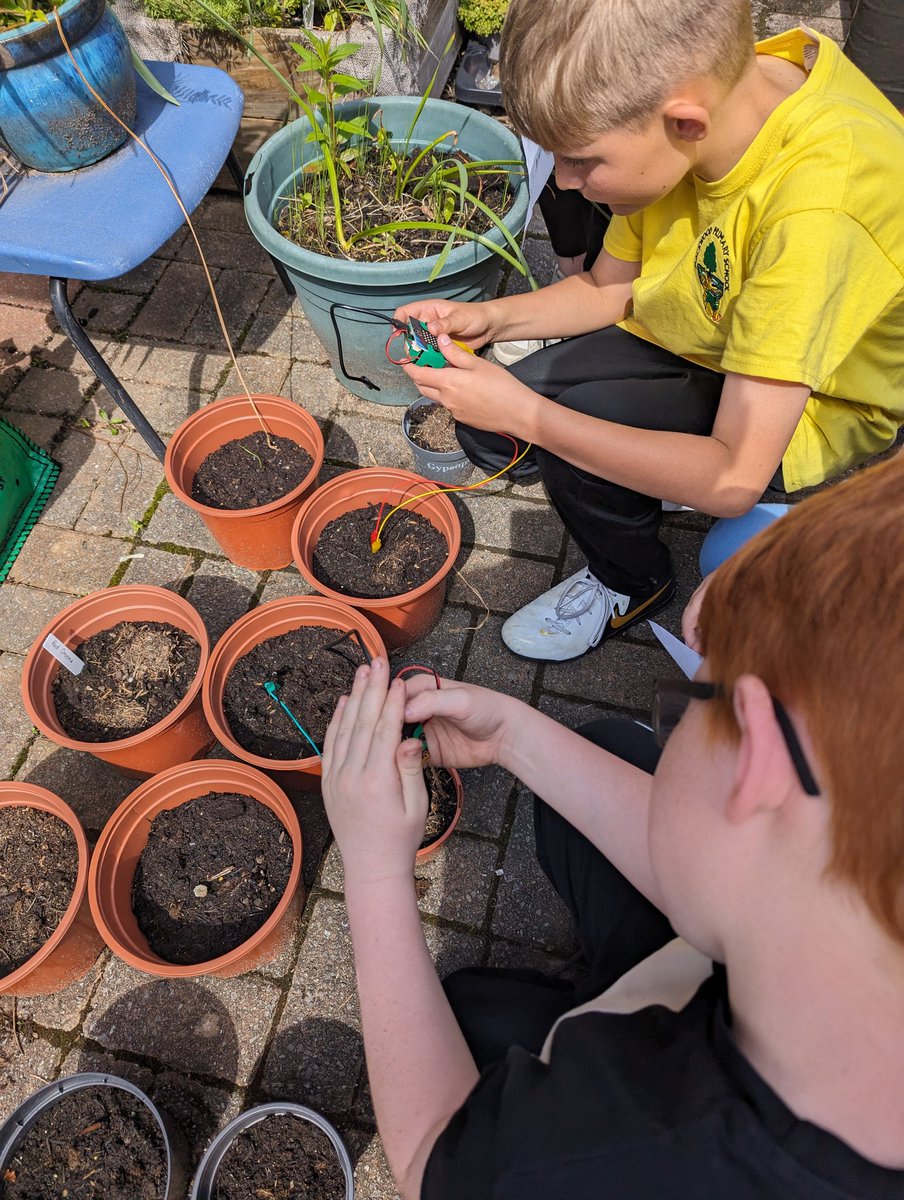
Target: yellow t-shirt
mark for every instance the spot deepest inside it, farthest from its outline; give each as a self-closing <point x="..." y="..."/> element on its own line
<point x="792" y="266"/>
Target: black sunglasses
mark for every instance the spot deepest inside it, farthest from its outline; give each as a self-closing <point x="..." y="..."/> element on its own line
<point x="672" y="696"/>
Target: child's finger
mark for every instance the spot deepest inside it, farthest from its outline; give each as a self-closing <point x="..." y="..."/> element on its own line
<point x="346" y="724"/>
<point x="329" y="740"/>
<point x="373" y="697"/>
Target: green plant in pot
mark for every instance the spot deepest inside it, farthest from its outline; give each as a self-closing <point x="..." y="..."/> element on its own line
<point x="483" y="18"/>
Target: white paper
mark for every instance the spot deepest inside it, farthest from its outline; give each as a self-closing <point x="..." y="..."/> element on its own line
<point x="539" y="164"/>
<point x="63" y="654"/>
<point x="686" y="658"/>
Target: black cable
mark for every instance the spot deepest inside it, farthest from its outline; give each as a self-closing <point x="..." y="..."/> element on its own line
<point x="370" y="312"/>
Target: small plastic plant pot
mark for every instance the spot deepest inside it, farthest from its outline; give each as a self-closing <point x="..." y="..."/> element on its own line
<point x="75" y="943"/>
<point x="21" y="1120"/>
<point x="183" y="734"/>
<point x="257" y="538"/>
<point x="125" y="836"/>
<point x="402" y="619"/>
<point x="272" y="620"/>
<point x="205" y="1183"/>
<point x="447" y="467"/>
<point x="429" y="852"/>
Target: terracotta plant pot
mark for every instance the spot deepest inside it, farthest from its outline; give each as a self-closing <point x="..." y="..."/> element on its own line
<point x="205" y="1183"/>
<point x="125" y="836"/>
<point x="22" y="1118"/>
<point x="402" y="619"/>
<point x="183" y="734"/>
<point x="258" y="538"/>
<point x="428" y="852"/>
<point x="271" y="620"/>
<point x="75" y="943"/>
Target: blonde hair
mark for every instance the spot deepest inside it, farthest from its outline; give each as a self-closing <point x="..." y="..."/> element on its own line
<point x="812" y="605"/>
<point x="574" y="69"/>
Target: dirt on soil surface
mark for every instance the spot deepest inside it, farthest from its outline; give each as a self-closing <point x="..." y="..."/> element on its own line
<point x="281" y="1158"/>
<point x="212" y="872"/>
<point x="441" y="790"/>
<point x="432" y="427"/>
<point x="309" y="679"/>
<point x="135" y="674"/>
<point x="93" y="1143"/>
<point x="412" y="552"/>
<point x="250" y="471"/>
<point x="38" y="869"/>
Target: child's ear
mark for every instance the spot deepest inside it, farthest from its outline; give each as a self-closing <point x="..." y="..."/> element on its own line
<point x="759" y="782"/>
<point x="687" y="121"/>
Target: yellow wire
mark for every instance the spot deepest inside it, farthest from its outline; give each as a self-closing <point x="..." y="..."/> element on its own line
<point x="462" y="487"/>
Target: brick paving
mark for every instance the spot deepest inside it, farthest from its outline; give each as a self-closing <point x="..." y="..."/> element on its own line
<point x="208" y="1048"/>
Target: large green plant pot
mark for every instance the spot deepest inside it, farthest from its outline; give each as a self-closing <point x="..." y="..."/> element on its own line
<point x="470" y="273"/>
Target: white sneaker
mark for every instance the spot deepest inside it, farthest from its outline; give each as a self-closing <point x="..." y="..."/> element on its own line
<point x="506" y="354"/>
<point x="671" y="506"/>
<point x="575" y="616"/>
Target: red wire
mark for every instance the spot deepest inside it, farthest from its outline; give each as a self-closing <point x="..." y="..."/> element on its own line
<point x="418" y="667"/>
<point x="396" y="362"/>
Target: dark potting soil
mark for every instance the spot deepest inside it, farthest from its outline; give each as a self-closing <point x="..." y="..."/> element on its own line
<point x="412" y="552"/>
<point x="432" y="427"/>
<point x="38" y="869"/>
<point x="96" y="1142"/>
<point x="135" y="673"/>
<point x="309" y="678"/>
<point x="281" y="1158"/>
<point x="441" y="791"/>
<point x="250" y="471"/>
<point x="212" y="872"/>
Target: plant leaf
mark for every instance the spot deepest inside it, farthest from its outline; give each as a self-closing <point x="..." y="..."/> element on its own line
<point x="151" y="80"/>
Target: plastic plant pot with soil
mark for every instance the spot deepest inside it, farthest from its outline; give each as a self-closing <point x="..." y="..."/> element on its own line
<point x="47" y="936"/>
<point x="426" y="528"/>
<point x="274" y="1144"/>
<point x="446" y="795"/>
<point x="137" y="702"/>
<point x="91" y="1127"/>
<point x="429" y="430"/>
<point x="269" y="485"/>
<point x="287" y="644"/>
<point x="197" y="878"/>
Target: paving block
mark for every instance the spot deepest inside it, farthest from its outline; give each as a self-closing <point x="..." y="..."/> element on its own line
<point x="63" y="1010"/>
<point x="288" y="335"/>
<point x="225" y="248"/>
<point x="264" y="376"/>
<point x="173" y="302"/>
<point x="25" y="328"/>
<point x="207" y="1026"/>
<point x="239" y="293"/>
<point x="528" y="910"/>
<point x="217" y="211"/>
<point x="108" y="312"/>
<point x="66" y="560"/>
<point x="618" y="673"/>
<point x="42" y="430"/>
<point x="314" y="387"/>
<point x="162" y="568"/>
<point x="511" y="523"/>
<point x="487" y="794"/>
<point x="456" y="884"/>
<point x="316" y="1055"/>
<point x="175" y="523"/>
<point x="189" y="368"/>
<point x="22" y="1069"/>
<point x="164" y="407"/>
<point x="221" y="592"/>
<point x="28" y="291"/>
<point x="60" y="353"/>
<point x="573" y="713"/>
<point x="444" y="645"/>
<point x="24" y="611"/>
<point x="367" y="442"/>
<point x="373" y="1178"/>
<point x="504" y="582"/>
<point x="491" y="664"/>
<point x="140" y="279"/>
<point x="542" y="261"/>
<point x="49" y="392"/>
<point x="286" y="582"/>
<point x="14" y="721"/>
<point x="91" y="787"/>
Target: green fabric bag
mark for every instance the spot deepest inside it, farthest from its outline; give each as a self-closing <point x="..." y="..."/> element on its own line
<point x="27" y="476"/>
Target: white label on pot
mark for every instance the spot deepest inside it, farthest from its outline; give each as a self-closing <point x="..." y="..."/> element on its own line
<point x="63" y="654"/>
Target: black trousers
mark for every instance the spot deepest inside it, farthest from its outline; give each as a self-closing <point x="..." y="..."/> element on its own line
<point x="575" y="225"/>
<point x="617" y="927"/>
<point x="618" y="377"/>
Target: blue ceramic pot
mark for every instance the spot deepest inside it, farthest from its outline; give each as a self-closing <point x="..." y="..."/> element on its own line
<point x="48" y="118"/>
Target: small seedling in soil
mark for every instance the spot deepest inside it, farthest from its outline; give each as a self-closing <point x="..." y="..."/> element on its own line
<point x="136" y="673"/>
<point x="91" y="1143"/>
<point x="38" y="869"/>
<point x="281" y="1158"/>
<point x="250" y="471"/>
<point x="432" y="427"/>
<point x="309" y="676"/>
<point x="412" y="551"/>
<point x="212" y="872"/>
<point x="110" y="423"/>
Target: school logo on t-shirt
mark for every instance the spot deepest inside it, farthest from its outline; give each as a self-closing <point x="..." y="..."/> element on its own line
<point x="713" y="271"/>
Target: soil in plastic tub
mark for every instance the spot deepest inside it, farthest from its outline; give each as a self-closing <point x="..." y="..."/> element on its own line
<point x="412" y="552"/>
<point x="212" y="872"/>
<point x="135" y="674"/>
<point x="432" y="427"/>
<point x="441" y="792"/>
<point x="250" y="471"/>
<point x="94" y="1142"/>
<point x="312" y="667"/>
<point x="38" y="869"/>
<point x="281" y="1158"/>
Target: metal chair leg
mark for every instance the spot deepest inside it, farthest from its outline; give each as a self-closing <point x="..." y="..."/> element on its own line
<point x="92" y="356"/>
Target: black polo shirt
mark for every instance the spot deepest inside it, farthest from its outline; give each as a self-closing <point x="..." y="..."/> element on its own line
<point x="653" y="1105"/>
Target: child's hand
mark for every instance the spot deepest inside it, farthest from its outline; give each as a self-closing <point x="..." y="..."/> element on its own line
<point x="373" y="782"/>
<point x="469" y="323"/>
<point x="465" y="725"/>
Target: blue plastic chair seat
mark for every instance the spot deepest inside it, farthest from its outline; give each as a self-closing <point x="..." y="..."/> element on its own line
<point x="101" y="221"/>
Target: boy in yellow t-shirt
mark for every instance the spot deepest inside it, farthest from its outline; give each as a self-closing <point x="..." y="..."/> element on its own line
<point x="743" y="325"/>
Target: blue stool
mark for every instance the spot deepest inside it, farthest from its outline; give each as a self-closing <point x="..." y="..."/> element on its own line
<point x="730" y="533"/>
<point x="104" y="220"/>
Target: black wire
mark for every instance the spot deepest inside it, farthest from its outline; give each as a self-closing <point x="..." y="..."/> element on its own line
<point x="370" y="312"/>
